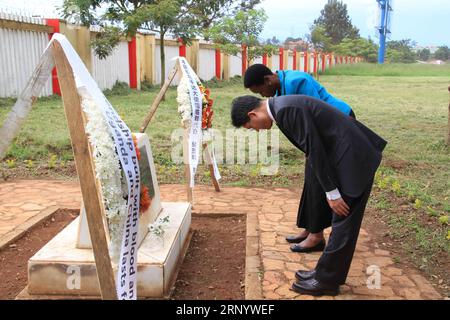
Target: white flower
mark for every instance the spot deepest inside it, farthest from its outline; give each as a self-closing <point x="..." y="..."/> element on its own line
<point x="184" y="100"/>
<point x="108" y="171"/>
<point x="158" y="227"/>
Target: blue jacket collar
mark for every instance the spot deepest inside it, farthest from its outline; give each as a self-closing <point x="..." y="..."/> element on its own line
<point x="281" y="77"/>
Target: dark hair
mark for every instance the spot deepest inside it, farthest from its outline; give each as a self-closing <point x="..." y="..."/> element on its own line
<point x="255" y="74"/>
<point x="240" y="107"/>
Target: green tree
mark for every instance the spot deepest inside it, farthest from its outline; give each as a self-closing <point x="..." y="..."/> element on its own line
<point x="209" y="12"/>
<point x="181" y="18"/>
<point x="243" y="29"/>
<point x="336" y="23"/>
<point x="424" y="54"/>
<point x="442" y="53"/>
<point x="360" y="47"/>
<point x="400" y="51"/>
<point x="319" y="38"/>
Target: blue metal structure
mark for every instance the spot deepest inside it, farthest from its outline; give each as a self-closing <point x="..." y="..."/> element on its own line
<point x="384" y="27"/>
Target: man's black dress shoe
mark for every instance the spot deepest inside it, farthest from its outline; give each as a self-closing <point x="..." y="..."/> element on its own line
<point x="295" y="239"/>
<point x="318" y="247"/>
<point x="303" y="275"/>
<point x="313" y="287"/>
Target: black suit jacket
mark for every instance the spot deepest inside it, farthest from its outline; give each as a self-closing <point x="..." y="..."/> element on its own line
<point x="343" y="152"/>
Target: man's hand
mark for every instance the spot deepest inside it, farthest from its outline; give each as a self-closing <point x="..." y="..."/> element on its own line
<point x="339" y="207"/>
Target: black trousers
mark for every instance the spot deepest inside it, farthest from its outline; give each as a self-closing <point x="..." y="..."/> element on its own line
<point x="334" y="264"/>
<point x="314" y="213"/>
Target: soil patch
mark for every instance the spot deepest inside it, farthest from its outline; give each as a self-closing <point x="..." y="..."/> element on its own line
<point x="214" y="266"/>
<point x="14" y="258"/>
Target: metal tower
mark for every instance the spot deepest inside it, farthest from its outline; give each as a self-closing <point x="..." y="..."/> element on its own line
<point x="384" y="27"/>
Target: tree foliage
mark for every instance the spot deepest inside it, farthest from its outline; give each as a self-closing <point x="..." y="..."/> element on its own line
<point x="181" y="18"/>
<point x="333" y="26"/>
<point x="424" y="54"/>
<point x="320" y="39"/>
<point x="244" y="28"/>
<point x="442" y="53"/>
<point x="400" y="51"/>
<point x="360" y="47"/>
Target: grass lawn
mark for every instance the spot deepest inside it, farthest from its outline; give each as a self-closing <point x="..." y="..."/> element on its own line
<point x="407" y="105"/>
<point x="393" y="69"/>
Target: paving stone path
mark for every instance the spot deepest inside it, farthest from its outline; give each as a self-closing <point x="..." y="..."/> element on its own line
<point x="271" y="215"/>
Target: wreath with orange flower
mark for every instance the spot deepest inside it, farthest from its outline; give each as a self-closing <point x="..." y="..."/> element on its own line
<point x="207" y="112"/>
<point x="145" y="198"/>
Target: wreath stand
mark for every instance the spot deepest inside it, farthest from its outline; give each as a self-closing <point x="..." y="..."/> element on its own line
<point x="206" y="150"/>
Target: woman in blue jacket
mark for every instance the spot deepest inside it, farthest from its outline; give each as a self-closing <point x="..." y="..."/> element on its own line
<point x="314" y="213"/>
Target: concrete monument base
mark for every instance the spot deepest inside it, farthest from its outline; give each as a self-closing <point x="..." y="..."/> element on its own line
<point x="62" y="269"/>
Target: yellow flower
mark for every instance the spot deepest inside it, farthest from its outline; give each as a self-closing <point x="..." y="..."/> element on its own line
<point x="11" y="163"/>
<point x="443" y="220"/>
<point x="418" y="204"/>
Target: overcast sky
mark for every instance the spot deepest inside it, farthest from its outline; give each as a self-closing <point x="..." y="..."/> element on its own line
<point x="426" y="22"/>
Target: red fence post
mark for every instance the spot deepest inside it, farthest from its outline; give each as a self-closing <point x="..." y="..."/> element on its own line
<point x="218" y="65"/>
<point x="264" y="59"/>
<point x="323" y="62"/>
<point x="181" y="48"/>
<point x="294" y="60"/>
<point x="55" y="83"/>
<point x="315" y="63"/>
<point x="305" y="62"/>
<point x="132" y="63"/>
<point x="244" y="59"/>
<point x="281" y="58"/>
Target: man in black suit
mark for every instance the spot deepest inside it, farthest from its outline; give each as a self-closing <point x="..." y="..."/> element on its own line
<point x="344" y="155"/>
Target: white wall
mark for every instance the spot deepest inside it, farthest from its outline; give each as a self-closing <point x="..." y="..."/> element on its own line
<point x="207" y="64"/>
<point x="275" y="62"/>
<point x="302" y="61"/>
<point x="20" y="51"/>
<point x="311" y="63"/>
<point x="114" y="68"/>
<point x="257" y="60"/>
<point x="170" y="52"/>
<point x="290" y="65"/>
<point x="236" y="65"/>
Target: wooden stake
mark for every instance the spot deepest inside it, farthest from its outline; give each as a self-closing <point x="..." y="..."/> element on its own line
<point x="211" y="167"/>
<point x="85" y="169"/>
<point x="189" y="191"/>
<point x="159" y="98"/>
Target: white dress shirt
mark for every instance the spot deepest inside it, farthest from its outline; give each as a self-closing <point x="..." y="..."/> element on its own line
<point x="268" y="110"/>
